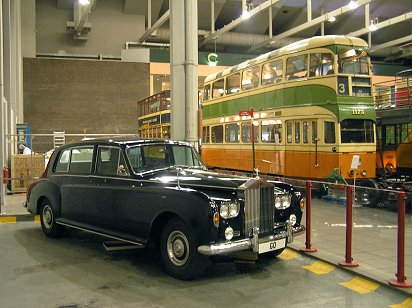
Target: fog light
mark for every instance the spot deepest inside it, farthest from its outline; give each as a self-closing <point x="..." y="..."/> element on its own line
<point x="292" y="219"/>
<point x="229" y="233"/>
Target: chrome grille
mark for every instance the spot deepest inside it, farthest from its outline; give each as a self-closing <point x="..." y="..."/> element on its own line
<point x="259" y="207"/>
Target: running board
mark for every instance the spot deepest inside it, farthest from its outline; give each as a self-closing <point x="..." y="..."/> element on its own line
<point x="118" y="245"/>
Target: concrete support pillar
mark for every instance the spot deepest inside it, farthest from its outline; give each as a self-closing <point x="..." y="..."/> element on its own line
<point x="2" y="112"/>
<point x="184" y="70"/>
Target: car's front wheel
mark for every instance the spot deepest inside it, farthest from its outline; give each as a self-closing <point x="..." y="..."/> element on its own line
<point x="178" y="247"/>
<point x="48" y="220"/>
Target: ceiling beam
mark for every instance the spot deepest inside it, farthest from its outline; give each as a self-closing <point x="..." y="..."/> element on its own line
<point x="309" y="24"/>
<point x="237" y="22"/>
<point x="398" y="41"/>
<point x="165" y="17"/>
<point x="383" y="24"/>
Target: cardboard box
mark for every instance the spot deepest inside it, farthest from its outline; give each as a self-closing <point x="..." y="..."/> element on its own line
<point x="25" y="169"/>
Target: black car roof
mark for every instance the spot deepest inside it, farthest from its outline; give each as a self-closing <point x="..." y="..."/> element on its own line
<point x="123" y="140"/>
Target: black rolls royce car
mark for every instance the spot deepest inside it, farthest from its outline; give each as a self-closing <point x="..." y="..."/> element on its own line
<point x="159" y="194"/>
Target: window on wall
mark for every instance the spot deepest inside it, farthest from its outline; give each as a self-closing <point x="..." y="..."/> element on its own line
<point x="272" y="131"/>
<point x="250" y="78"/>
<point x="289" y="131"/>
<point x="305" y="132"/>
<point x="296" y="67"/>
<point x="314" y="132"/>
<point x="232" y="133"/>
<point x="272" y="72"/>
<point x="297" y="132"/>
<point x="218" y="88"/>
<point x="206" y="134"/>
<point x="233" y="83"/>
<point x="216" y="134"/>
<point x="329" y="132"/>
<point x="247" y="132"/>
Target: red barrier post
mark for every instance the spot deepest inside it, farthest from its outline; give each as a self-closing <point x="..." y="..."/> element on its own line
<point x="308" y="247"/>
<point x="401" y="281"/>
<point x="348" y="252"/>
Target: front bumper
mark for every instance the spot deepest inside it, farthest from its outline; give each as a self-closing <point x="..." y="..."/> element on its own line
<point x="255" y="243"/>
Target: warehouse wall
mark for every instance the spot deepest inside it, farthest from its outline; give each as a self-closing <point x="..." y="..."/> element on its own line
<point x="82" y="95"/>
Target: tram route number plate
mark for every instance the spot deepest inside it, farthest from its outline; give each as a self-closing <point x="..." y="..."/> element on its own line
<point x="272" y="245"/>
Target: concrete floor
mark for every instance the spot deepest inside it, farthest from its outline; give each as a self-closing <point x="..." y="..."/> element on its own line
<point x="75" y="271"/>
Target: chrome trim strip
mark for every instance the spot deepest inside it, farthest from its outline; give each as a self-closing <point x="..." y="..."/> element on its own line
<point x="298" y="230"/>
<point x="98" y="233"/>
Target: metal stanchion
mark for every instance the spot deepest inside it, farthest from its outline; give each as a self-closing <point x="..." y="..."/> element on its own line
<point x="348" y="262"/>
<point x="308" y="247"/>
<point x="401" y="281"/>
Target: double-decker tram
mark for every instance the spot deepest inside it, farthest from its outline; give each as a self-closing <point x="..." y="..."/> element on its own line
<point x="393" y="102"/>
<point x="153" y="116"/>
<point x="313" y="111"/>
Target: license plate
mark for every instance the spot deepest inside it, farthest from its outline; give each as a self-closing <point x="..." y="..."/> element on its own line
<point x="272" y="245"/>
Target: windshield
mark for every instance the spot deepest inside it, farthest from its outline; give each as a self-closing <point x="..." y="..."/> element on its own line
<point x="359" y="131"/>
<point x="160" y="156"/>
<point x="352" y="61"/>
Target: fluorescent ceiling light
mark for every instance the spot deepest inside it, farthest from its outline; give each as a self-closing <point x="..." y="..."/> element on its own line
<point x="246" y="15"/>
<point x="84" y="2"/>
<point x="332" y="19"/>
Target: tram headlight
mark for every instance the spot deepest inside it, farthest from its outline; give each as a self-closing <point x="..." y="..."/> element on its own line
<point x="364" y="172"/>
<point x="282" y="202"/>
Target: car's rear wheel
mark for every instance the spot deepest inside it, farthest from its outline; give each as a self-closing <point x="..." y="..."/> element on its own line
<point x="48" y="220"/>
<point x="178" y="248"/>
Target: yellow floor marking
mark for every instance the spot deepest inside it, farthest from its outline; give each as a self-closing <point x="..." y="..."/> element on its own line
<point x="360" y="285"/>
<point x="8" y="220"/>
<point x="405" y="304"/>
<point x="320" y="268"/>
<point x="289" y="254"/>
<point x="37" y="218"/>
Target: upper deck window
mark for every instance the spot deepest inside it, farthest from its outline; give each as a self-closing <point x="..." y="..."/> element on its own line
<point x="250" y="78"/>
<point x="352" y="61"/>
<point x="233" y="83"/>
<point x="272" y="72"/>
<point x="206" y="92"/>
<point x="218" y="88"/>
<point x="296" y="67"/>
<point x="321" y="64"/>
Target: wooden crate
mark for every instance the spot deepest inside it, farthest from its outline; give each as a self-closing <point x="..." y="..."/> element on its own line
<point x="25" y="169"/>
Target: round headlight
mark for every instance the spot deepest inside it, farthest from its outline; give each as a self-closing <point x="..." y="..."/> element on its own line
<point x="364" y="172"/>
<point x="224" y="211"/>
<point x="292" y="219"/>
<point x="285" y="201"/>
<point x="233" y="209"/>
<point x="229" y="233"/>
<point x="278" y="202"/>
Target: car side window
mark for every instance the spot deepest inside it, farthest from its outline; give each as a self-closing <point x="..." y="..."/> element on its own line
<point x="110" y="161"/>
<point x="81" y="160"/>
<point x="62" y="164"/>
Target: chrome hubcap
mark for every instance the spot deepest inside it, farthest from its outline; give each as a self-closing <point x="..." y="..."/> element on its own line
<point x="47" y="216"/>
<point x="178" y="248"/>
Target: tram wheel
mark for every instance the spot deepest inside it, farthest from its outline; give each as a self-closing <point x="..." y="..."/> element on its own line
<point x="367" y="194"/>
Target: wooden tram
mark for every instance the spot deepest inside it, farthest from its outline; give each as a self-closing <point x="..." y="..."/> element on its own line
<point x="313" y="111"/>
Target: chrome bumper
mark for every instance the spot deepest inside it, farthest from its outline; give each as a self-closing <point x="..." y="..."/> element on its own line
<point x="249" y="243"/>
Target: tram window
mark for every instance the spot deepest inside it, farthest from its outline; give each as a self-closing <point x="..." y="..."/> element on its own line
<point x="217" y="134"/>
<point x="272" y="131"/>
<point x="166" y="131"/>
<point x="272" y="72"/>
<point x="206" y="92"/>
<point x="247" y="132"/>
<point x="233" y="83"/>
<point x="250" y="78"/>
<point x="321" y="64"/>
<point x="353" y="61"/>
<point x="232" y="133"/>
<point x="205" y="134"/>
<point x="296" y="67"/>
<point x="218" y="88"/>
<point x="289" y="131"/>
<point x="314" y="132"/>
<point x="329" y="132"/>
<point x="359" y="131"/>
<point x="297" y="132"/>
<point x="305" y="132"/>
